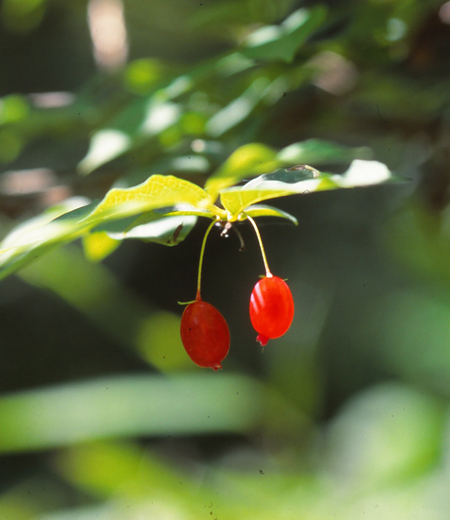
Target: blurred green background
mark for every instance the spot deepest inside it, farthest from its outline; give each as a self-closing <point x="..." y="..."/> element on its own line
<point x="102" y="414"/>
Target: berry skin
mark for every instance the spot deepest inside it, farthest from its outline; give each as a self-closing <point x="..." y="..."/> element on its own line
<point x="205" y="334"/>
<point x="271" y="308"/>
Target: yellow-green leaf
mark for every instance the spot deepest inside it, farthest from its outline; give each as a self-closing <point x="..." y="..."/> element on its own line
<point x="281" y="42"/>
<point x="158" y="191"/>
<point x="247" y="161"/>
<point x="165" y="230"/>
<point x="298" y="180"/>
<point x="97" y="246"/>
<point x="35" y="237"/>
<point x="261" y="210"/>
<point x="38" y="235"/>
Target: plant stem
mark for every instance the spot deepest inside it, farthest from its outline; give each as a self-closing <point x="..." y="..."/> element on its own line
<point x="202" y="252"/>
<point x="266" y="265"/>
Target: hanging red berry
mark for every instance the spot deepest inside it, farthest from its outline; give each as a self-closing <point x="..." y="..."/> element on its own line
<point x="205" y="334"/>
<point x="271" y="308"/>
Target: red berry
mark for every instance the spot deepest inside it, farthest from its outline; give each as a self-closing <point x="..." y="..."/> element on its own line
<point x="205" y="334"/>
<point x="271" y="308"/>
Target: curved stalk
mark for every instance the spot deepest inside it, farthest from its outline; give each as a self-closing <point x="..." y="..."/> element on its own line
<point x="200" y="264"/>
<point x="266" y="265"/>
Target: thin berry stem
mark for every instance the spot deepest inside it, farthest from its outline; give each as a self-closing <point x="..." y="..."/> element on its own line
<point x="202" y="252"/>
<point x="266" y="265"/>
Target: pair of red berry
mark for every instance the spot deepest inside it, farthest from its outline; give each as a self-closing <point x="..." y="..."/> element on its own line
<point x="204" y="331"/>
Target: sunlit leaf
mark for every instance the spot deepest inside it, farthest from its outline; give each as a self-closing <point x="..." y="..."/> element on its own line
<point x="266" y="187"/>
<point x="157" y="191"/>
<point x="137" y="121"/>
<point x="175" y="197"/>
<point x="105" y="146"/>
<point x="160" y="116"/>
<point x="364" y="173"/>
<point x="31" y="239"/>
<point x="128" y="406"/>
<point x="300" y="180"/>
<point x="319" y="151"/>
<point x="168" y="231"/>
<point x="293" y="175"/>
<point x="281" y="42"/>
<point x="233" y="64"/>
<point x="238" y="110"/>
<point x="261" y="210"/>
<point x="37" y="236"/>
<point x="247" y="161"/>
<point x="97" y="246"/>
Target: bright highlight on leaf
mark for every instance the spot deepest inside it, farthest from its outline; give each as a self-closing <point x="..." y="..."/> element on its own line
<point x="105" y="146"/>
<point x="318" y="151"/>
<point x="239" y="109"/>
<point x="158" y="191"/>
<point x="262" y="210"/>
<point x="281" y="42"/>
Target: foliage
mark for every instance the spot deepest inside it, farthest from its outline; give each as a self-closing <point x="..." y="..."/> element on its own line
<point x="221" y="107"/>
<point x="149" y="210"/>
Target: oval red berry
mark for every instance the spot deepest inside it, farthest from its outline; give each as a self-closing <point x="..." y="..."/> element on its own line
<point x="271" y="308"/>
<point x="205" y="334"/>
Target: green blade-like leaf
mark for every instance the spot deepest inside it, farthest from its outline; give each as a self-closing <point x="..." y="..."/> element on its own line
<point x="235" y="200"/>
<point x="127" y="407"/>
<point x="168" y="231"/>
<point x="281" y="42"/>
<point x="268" y="186"/>
<point x="138" y="121"/>
<point x="157" y="191"/>
<point x="32" y="238"/>
<point x="319" y="151"/>
<point x="105" y="145"/>
<point x="297" y="180"/>
<point x="364" y="173"/>
<point x="35" y="237"/>
<point x="261" y="210"/>
<point x="238" y="110"/>
<point x="247" y="161"/>
<point x="97" y="246"/>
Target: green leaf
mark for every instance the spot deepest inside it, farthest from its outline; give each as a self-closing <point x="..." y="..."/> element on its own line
<point x="168" y="231"/>
<point x="136" y="123"/>
<point x="281" y="42"/>
<point x="261" y="210"/>
<point x="97" y="246"/>
<point x="239" y="109"/>
<point x="38" y="235"/>
<point x="106" y="144"/>
<point x="247" y="161"/>
<point x="158" y="191"/>
<point x="127" y="407"/>
<point x="319" y="151"/>
<point x="168" y="196"/>
<point x="269" y="186"/>
<point x="299" y="180"/>
<point x="364" y="173"/>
